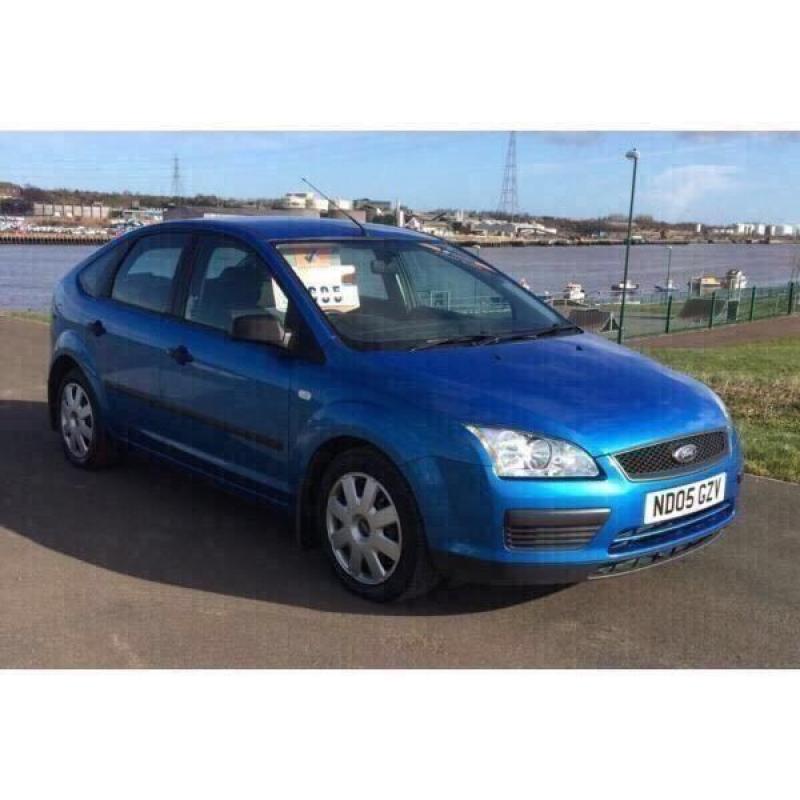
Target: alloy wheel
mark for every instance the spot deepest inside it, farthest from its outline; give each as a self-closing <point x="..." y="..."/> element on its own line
<point x="363" y="528"/>
<point x="77" y="420"/>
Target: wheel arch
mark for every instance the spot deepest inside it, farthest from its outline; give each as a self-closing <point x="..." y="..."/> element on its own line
<point x="59" y="368"/>
<point x="312" y="475"/>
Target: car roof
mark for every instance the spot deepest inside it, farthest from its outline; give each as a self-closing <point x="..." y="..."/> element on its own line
<point x="277" y="228"/>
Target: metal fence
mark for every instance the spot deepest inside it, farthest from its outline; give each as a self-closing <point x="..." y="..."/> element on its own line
<point x="647" y="315"/>
<point x="653" y="315"/>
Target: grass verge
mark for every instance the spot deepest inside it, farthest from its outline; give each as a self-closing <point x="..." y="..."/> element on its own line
<point x="35" y="316"/>
<point x="760" y="384"/>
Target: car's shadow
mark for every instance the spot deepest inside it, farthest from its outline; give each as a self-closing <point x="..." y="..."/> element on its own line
<point x="158" y="524"/>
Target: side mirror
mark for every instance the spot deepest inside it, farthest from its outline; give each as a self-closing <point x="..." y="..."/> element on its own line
<point x="259" y="328"/>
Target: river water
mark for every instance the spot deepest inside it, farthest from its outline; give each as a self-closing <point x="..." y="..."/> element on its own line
<point x="597" y="267"/>
<point x="29" y="272"/>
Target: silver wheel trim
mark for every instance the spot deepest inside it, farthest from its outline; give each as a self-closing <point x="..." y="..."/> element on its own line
<point x="77" y="420"/>
<point x="363" y="528"/>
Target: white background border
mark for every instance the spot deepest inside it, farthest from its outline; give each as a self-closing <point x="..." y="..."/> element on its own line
<point x="420" y="734"/>
<point x="619" y="64"/>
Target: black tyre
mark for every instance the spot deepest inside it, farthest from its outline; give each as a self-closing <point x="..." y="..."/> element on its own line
<point x="371" y="529"/>
<point x="84" y="438"/>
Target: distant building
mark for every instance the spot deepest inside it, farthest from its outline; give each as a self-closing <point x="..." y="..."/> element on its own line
<point x="95" y="211"/>
<point x="293" y="200"/>
<point x="435" y="227"/>
<point x="297" y="200"/>
<point x="378" y="206"/>
<point x="494" y="228"/>
<point x="145" y="215"/>
<point x="750" y="228"/>
<point x="212" y="212"/>
<point x="530" y="229"/>
<point x="781" y="230"/>
<point x="9" y="191"/>
<point x="347" y="213"/>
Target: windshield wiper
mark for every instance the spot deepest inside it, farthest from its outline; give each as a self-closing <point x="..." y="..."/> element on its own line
<point x="488" y="338"/>
<point x="473" y="338"/>
<point x="558" y="329"/>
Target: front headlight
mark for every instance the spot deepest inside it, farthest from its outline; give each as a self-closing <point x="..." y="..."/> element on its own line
<point x="516" y="454"/>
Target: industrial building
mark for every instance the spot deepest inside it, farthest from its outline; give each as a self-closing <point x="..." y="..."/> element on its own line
<point x="762" y="229"/>
<point x="303" y="200"/>
<point x="72" y="211"/>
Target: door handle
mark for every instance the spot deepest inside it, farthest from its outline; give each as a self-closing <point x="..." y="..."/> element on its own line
<point x="96" y="327"/>
<point x="181" y="354"/>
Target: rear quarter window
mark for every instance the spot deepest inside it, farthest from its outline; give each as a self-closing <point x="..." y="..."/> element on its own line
<point x="95" y="278"/>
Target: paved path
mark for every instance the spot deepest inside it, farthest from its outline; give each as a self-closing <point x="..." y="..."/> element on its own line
<point x="142" y="567"/>
<point x="743" y="333"/>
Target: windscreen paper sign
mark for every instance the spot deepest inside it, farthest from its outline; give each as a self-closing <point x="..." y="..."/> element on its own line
<point x="329" y="282"/>
<point x="330" y="286"/>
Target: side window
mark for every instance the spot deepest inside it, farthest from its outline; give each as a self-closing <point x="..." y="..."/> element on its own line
<point x="229" y="280"/>
<point x="147" y="274"/>
<point x="94" y="278"/>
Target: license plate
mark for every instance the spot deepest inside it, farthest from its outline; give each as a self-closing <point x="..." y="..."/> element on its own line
<point x="682" y="500"/>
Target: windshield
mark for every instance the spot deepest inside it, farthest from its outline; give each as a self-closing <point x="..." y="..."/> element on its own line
<point x="396" y="294"/>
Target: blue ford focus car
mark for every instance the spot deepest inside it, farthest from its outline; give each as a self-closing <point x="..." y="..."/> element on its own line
<point x="417" y="412"/>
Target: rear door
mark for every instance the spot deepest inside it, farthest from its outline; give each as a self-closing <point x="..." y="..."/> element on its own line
<point x="131" y="333"/>
<point x="228" y="400"/>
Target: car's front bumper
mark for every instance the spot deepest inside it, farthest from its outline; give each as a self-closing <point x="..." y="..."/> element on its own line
<point x="474" y="570"/>
<point x="466" y="510"/>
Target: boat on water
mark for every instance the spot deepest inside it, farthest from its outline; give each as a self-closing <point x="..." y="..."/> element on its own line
<point x="669" y="286"/>
<point x="624" y="286"/>
<point x="574" y="292"/>
<point x="702" y="284"/>
<point x="734" y="280"/>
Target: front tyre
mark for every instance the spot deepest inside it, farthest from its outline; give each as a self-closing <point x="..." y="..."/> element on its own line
<point x="371" y="529"/>
<point x="83" y="436"/>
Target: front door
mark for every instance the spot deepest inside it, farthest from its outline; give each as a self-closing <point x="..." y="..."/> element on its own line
<point x="228" y="400"/>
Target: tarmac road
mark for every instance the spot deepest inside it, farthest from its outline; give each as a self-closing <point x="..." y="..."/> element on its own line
<point x="143" y="567"/>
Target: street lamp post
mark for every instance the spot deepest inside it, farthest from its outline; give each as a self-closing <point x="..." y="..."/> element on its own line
<point x="669" y="265"/>
<point x="633" y="155"/>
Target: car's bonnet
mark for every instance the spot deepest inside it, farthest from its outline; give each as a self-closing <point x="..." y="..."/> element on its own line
<point x="604" y="397"/>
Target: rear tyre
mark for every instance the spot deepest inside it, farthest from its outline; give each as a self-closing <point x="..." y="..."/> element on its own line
<point x="371" y="529"/>
<point x="84" y="437"/>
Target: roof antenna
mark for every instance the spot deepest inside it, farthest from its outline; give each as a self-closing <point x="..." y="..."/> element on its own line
<point x="337" y="207"/>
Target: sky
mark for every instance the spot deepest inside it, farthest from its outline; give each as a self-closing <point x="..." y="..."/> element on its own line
<point x="704" y="177"/>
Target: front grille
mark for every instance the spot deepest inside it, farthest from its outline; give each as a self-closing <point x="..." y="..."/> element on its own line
<point x="552" y="529"/>
<point x="656" y="460"/>
<point x="664" y="533"/>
